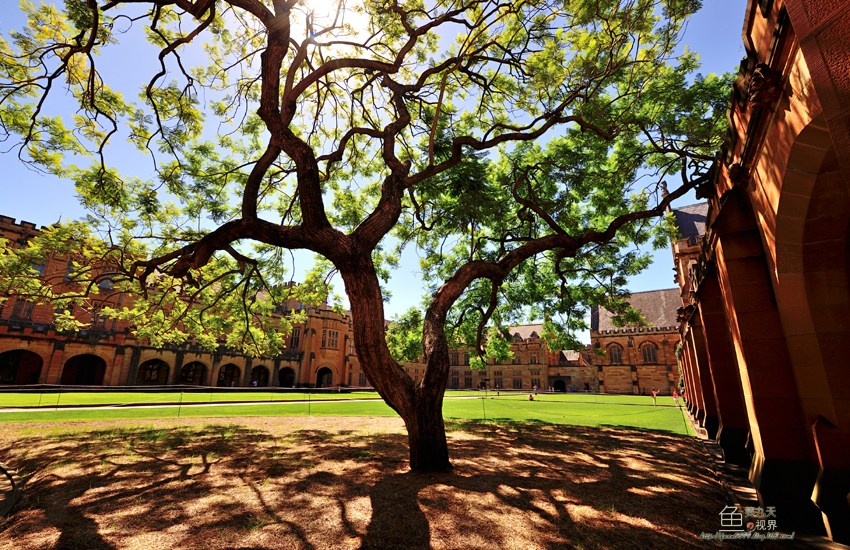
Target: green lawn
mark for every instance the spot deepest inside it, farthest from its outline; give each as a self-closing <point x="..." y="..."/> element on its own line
<point x="575" y="409"/>
<point x="53" y="399"/>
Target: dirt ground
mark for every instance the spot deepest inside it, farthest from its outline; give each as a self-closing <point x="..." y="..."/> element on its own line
<point x="344" y="483"/>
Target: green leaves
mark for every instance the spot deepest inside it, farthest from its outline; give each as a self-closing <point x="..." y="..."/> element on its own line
<point x="502" y="140"/>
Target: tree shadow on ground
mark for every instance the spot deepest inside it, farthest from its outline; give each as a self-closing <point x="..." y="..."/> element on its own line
<point x="530" y="485"/>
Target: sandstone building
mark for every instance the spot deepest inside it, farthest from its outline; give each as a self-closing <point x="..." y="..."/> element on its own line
<point x="638" y="359"/>
<point x="319" y="354"/>
<point x="764" y="281"/>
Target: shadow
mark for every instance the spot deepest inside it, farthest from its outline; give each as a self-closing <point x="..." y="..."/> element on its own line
<point x="258" y="484"/>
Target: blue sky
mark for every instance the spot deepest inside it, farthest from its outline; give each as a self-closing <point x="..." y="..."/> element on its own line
<point x="714" y="33"/>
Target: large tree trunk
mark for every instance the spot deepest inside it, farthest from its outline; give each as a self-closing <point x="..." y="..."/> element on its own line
<point x="426" y="432"/>
<point x="419" y="405"/>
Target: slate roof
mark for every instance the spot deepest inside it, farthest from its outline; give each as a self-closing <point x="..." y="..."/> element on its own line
<point x="570" y="355"/>
<point x="525" y="331"/>
<point x="691" y="219"/>
<point x="658" y="307"/>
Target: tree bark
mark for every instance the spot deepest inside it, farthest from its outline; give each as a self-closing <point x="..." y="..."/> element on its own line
<point x="419" y="405"/>
<point x="426" y="432"/>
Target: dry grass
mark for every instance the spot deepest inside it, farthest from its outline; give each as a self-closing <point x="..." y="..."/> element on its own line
<point x="343" y="483"/>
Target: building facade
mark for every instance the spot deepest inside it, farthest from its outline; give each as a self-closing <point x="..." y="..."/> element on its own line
<point x="319" y="353"/>
<point x="765" y="288"/>
<point x="32" y="351"/>
<point x="637" y="359"/>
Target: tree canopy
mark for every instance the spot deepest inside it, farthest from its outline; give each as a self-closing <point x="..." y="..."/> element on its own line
<point x="519" y="146"/>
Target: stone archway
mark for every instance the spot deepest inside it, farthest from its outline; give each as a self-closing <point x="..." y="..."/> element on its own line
<point x="83" y="370"/>
<point x="813" y="254"/>
<point x="20" y="367"/>
<point x="260" y="376"/>
<point x="286" y="378"/>
<point x="324" y="378"/>
<point x="560" y="386"/>
<point x="152" y="373"/>
<point x="193" y="374"/>
<point x="228" y="376"/>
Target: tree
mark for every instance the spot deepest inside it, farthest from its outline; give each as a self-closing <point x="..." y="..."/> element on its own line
<point x="520" y="145"/>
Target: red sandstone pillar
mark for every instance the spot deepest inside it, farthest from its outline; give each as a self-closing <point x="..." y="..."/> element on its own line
<point x="695" y="391"/>
<point x="710" y="421"/>
<point x="822" y="29"/>
<point x="54" y="367"/>
<point x="687" y="369"/>
<point x="729" y="397"/>
<point x="782" y="467"/>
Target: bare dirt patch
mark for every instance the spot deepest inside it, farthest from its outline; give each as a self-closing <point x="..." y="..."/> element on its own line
<point x="344" y="483"/>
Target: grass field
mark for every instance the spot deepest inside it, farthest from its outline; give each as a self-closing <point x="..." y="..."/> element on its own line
<point x="573" y="409"/>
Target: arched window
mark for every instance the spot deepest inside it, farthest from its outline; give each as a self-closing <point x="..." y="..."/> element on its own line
<point x="615" y="354"/>
<point x="151" y="373"/>
<point x="650" y="353"/>
<point x="228" y="376"/>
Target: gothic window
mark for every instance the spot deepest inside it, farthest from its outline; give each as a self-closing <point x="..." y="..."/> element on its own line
<point x="650" y="353"/>
<point x="295" y="339"/>
<point x="69" y="271"/>
<point x="330" y="338"/>
<point x="22" y="311"/>
<point x="615" y="354"/>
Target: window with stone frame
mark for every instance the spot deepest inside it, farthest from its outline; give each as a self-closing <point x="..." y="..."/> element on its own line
<point x="534" y="359"/>
<point x="22" y="310"/>
<point x="69" y="271"/>
<point x="295" y="338"/>
<point x="362" y="379"/>
<point x="615" y="354"/>
<point x="330" y="338"/>
<point x="467" y="382"/>
<point x="517" y="383"/>
<point x="97" y="319"/>
<point x="151" y="372"/>
<point x="497" y="381"/>
<point x="650" y="353"/>
<point x="535" y="382"/>
<point x="453" y="358"/>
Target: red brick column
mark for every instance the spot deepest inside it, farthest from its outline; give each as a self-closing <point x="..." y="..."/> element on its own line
<point x="782" y="467"/>
<point x="731" y="411"/>
<point x="687" y="369"/>
<point x="54" y="366"/>
<point x="695" y="390"/>
<point x="710" y="421"/>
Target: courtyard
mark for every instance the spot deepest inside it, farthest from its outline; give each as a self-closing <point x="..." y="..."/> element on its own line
<point x="344" y="482"/>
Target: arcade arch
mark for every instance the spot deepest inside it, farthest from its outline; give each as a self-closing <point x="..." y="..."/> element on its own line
<point x="324" y="378"/>
<point x="20" y="367"/>
<point x="228" y="376"/>
<point x="286" y="378"/>
<point x="192" y="373"/>
<point x="260" y="376"/>
<point x="152" y="373"/>
<point x="83" y="370"/>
